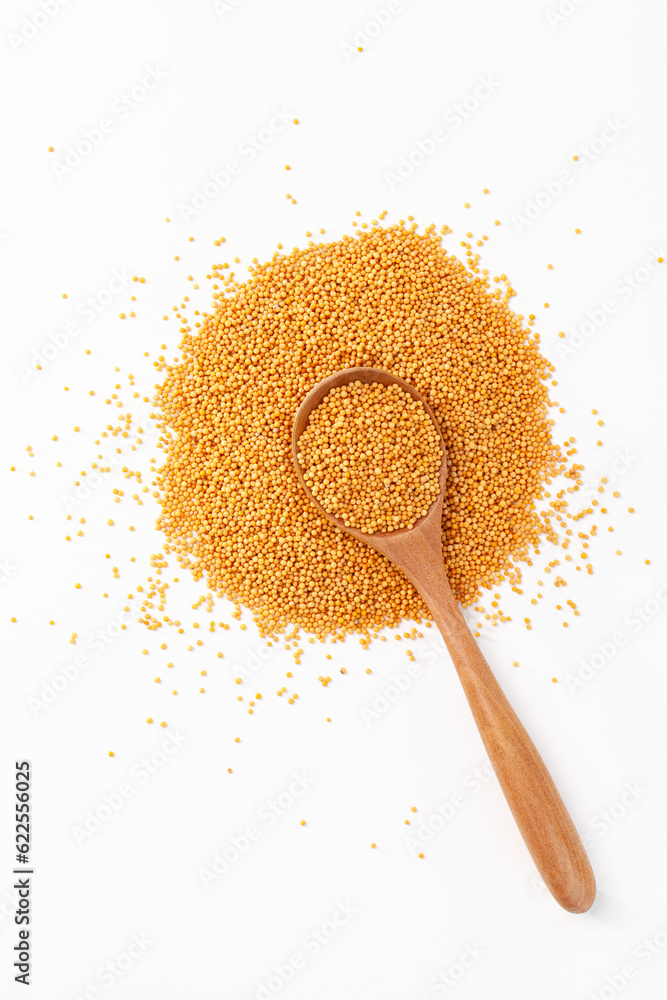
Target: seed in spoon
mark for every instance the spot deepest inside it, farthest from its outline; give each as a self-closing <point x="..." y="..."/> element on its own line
<point x="371" y="456"/>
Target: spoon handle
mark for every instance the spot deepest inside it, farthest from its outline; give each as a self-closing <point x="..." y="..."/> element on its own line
<point x="538" y="809"/>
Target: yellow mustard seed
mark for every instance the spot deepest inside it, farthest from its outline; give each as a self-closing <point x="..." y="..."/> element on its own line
<point x="387" y="449"/>
<point x="252" y="534"/>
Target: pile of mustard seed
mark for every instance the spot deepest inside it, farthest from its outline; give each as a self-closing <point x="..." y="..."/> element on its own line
<point x="389" y="297"/>
<point x="371" y="456"/>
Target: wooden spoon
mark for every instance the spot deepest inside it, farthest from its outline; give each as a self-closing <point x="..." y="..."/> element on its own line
<point x="539" y="811"/>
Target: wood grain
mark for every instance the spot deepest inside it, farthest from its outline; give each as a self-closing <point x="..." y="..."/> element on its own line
<point x="538" y="809"/>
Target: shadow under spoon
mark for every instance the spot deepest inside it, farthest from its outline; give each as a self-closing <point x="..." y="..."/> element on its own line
<point x="538" y="810"/>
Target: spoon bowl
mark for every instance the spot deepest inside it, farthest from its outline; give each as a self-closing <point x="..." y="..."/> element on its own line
<point x="385" y="542"/>
<point x="537" y="807"/>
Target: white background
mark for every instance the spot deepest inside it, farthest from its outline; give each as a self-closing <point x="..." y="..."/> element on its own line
<point x="555" y="84"/>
